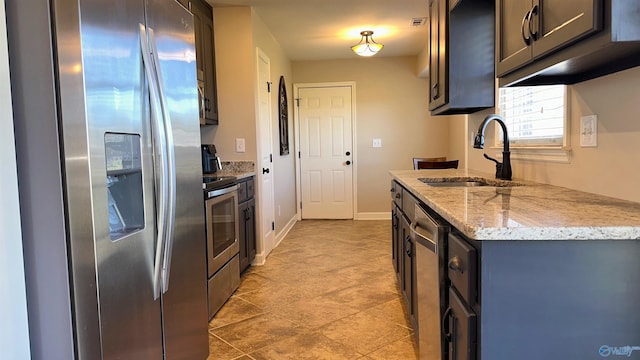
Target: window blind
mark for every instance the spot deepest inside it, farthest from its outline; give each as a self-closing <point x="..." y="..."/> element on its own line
<point x="534" y="115"/>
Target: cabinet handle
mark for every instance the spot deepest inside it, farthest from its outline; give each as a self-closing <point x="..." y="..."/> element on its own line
<point x="392" y="190"/>
<point x="534" y="12"/>
<point x="434" y="91"/>
<point x="409" y="250"/>
<point x="456" y="265"/>
<point x="445" y="329"/>
<point x="526" y="20"/>
<point x="246" y="215"/>
<point x="398" y="196"/>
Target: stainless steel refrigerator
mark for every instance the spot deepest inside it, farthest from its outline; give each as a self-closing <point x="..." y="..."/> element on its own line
<point x="108" y="145"/>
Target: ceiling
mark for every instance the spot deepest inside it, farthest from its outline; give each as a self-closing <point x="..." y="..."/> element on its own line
<point x="326" y="29"/>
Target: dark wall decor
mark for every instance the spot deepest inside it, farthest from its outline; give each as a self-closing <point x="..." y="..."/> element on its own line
<point x="283" y="116"/>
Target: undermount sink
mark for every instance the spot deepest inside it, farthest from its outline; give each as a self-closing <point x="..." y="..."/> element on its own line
<point x="468" y="182"/>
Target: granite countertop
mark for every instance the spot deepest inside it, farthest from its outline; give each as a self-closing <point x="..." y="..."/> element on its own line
<point x="530" y="212"/>
<point x="239" y="169"/>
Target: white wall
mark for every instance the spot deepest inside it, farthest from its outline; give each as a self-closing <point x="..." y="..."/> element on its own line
<point x="14" y="331"/>
<point x="613" y="167"/>
<point x="391" y="104"/>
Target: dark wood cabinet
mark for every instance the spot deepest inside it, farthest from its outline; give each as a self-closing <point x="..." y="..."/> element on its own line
<point x="461" y="56"/>
<point x="396" y="239"/>
<point x="530" y="29"/>
<point x="564" y="42"/>
<point x="205" y="62"/>
<point x="246" y="212"/>
<point x="461" y="334"/>
<point x="403" y="248"/>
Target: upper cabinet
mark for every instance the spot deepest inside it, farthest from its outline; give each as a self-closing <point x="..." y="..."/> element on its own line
<point x="564" y="41"/>
<point x="206" y="62"/>
<point x="461" y="56"/>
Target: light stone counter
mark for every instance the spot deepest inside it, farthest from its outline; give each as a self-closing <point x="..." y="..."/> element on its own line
<point x="239" y="169"/>
<point x="530" y="212"/>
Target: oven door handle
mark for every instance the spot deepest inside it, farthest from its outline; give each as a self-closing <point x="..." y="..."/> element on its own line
<point x="223" y="191"/>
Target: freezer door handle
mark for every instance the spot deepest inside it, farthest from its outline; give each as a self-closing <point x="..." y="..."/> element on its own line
<point x="161" y="163"/>
<point x="171" y="159"/>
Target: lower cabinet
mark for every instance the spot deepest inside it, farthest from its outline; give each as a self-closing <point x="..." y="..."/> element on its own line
<point x="247" y="222"/>
<point x="402" y="248"/>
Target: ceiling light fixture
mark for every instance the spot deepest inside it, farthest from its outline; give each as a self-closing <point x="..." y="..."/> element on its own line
<point x="366" y="46"/>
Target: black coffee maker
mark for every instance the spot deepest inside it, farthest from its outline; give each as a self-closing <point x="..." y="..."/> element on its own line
<point x="210" y="160"/>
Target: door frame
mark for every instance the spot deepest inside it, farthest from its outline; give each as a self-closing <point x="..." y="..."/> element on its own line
<point x="264" y="246"/>
<point x="354" y="144"/>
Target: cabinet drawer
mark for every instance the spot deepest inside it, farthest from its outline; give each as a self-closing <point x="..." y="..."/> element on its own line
<point x="462" y="269"/>
<point x="250" y="188"/>
<point x="242" y="192"/>
<point x="396" y="193"/>
<point x="462" y="329"/>
<point x="408" y="205"/>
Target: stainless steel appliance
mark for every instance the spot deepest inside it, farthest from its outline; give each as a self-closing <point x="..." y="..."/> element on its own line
<point x="223" y="261"/>
<point x="429" y="236"/>
<point x="107" y="131"/>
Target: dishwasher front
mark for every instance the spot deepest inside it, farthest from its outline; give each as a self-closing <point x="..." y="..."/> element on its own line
<point x="429" y="236"/>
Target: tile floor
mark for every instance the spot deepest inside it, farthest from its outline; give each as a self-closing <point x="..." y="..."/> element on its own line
<point x="328" y="291"/>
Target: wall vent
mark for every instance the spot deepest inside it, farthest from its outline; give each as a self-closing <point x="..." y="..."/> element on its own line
<point x="418" y="21"/>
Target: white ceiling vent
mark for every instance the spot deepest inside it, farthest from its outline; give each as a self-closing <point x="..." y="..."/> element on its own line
<point x="418" y="21"/>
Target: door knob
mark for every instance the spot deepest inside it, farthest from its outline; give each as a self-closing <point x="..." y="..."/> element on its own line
<point x="348" y="162"/>
<point x="265" y="171"/>
<point x="348" y="153"/>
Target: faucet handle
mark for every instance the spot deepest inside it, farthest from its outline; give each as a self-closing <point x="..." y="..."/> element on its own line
<point x="492" y="159"/>
<point x="498" y="166"/>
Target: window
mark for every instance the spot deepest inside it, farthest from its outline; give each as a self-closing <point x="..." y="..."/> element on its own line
<point x="537" y="120"/>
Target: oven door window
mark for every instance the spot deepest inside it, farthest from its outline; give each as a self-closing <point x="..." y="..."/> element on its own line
<point x="222" y="224"/>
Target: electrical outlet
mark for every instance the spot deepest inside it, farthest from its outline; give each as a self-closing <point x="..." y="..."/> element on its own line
<point x="589" y="131"/>
<point x="240" y="145"/>
<point x="377" y="143"/>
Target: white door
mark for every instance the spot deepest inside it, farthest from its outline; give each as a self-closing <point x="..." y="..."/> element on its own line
<point x="326" y="152"/>
<point x="265" y="168"/>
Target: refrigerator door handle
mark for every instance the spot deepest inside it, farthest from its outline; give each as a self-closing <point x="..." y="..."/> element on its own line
<point x="159" y="141"/>
<point x="170" y="154"/>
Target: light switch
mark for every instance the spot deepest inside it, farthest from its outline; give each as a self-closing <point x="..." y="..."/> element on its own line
<point x="240" y="145"/>
<point x="589" y="131"/>
<point x="377" y="143"/>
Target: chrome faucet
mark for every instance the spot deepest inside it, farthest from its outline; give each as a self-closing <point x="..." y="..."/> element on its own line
<point x="503" y="169"/>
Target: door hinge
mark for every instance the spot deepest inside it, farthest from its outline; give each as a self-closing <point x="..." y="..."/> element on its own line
<point x="270" y="157"/>
<point x="269" y="86"/>
<point x="300" y="204"/>
<point x="297" y="101"/>
<point x="299" y="156"/>
<point x="273" y="225"/>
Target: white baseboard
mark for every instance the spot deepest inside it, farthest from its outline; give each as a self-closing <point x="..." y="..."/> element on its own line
<point x="285" y="230"/>
<point x="374" y="216"/>
<point x="261" y="258"/>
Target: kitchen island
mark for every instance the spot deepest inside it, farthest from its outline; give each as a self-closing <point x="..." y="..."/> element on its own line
<point x="555" y="272"/>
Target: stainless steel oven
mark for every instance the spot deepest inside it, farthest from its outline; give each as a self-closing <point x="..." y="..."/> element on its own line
<point x="222" y="227"/>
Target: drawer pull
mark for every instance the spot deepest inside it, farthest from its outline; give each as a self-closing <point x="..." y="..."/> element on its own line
<point x="455" y="265"/>
<point x="398" y="196"/>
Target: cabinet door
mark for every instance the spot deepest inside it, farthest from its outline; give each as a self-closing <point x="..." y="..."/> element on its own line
<point x="558" y="23"/>
<point x="251" y="230"/>
<point x="408" y="266"/>
<point x="437" y="53"/>
<point x="210" y="93"/>
<point x="394" y="236"/>
<point x="242" y="236"/>
<point x="513" y="48"/>
<point x="462" y="329"/>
